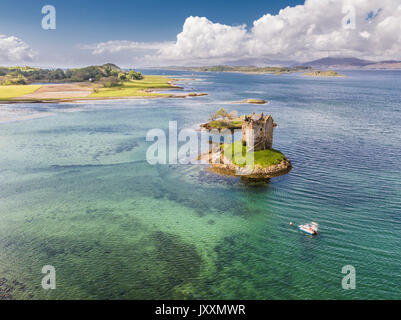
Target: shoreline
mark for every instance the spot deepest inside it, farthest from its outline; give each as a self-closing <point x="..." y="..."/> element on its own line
<point x="78" y="88"/>
<point x="188" y="95"/>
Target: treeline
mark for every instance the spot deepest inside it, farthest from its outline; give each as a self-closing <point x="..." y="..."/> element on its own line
<point x="109" y="73"/>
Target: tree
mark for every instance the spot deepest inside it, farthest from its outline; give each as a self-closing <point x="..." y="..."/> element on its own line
<point x="133" y="75"/>
<point x="221" y="113"/>
<point x="110" y="82"/>
<point x="232" y="115"/>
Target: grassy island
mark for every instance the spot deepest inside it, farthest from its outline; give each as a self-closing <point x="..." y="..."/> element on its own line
<point x="223" y="124"/>
<point x="319" y="73"/>
<point x="251" y="101"/>
<point x="223" y="120"/>
<point x="262" y="158"/>
<point x="236" y="159"/>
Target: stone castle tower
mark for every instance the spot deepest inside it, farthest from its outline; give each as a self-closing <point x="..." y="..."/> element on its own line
<point x="261" y="128"/>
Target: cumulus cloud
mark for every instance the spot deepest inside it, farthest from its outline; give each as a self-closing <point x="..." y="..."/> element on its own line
<point x="202" y="39"/>
<point x="369" y="29"/>
<point x="14" y="50"/>
<point x="317" y="29"/>
<point x="314" y="30"/>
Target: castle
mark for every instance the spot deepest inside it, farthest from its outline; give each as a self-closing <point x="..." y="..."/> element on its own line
<point x="261" y="128"/>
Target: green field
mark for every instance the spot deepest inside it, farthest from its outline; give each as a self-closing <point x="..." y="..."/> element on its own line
<point x="135" y="88"/>
<point x="131" y="88"/>
<point x="9" y="92"/>
<point x="263" y="158"/>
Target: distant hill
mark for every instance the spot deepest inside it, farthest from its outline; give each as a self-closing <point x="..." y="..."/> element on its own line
<point x="384" y="65"/>
<point x="338" y="62"/>
<point x="330" y="63"/>
<point x="351" y="63"/>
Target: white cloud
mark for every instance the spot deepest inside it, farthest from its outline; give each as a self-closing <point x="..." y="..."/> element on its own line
<point x="315" y="30"/>
<point x="115" y="46"/>
<point x="202" y="39"/>
<point x="14" y="50"/>
<point x="125" y="53"/>
<point x="304" y="32"/>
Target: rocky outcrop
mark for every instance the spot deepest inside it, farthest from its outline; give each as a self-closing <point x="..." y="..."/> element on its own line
<point x="221" y="165"/>
<point x="187" y="95"/>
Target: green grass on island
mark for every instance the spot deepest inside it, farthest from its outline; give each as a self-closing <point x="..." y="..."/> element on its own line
<point x="223" y="124"/>
<point x="263" y="158"/>
<point x="319" y="73"/>
<point x="223" y="120"/>
<point x="14" y="91"/>
<point x="135" y="88"/>
<point x="255" y="101"/>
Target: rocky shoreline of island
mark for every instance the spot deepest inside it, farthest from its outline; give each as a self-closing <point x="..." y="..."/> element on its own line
<point x="223" y="166"/>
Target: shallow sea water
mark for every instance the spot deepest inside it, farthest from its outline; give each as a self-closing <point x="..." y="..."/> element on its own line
<point x="76" y="192"/>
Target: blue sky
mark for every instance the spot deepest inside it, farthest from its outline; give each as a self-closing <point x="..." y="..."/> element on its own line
<point x="86" y="21"/>
<point x="90" y="21"/>
<point x="145" y="20"/>
<point x="90" y="31"/>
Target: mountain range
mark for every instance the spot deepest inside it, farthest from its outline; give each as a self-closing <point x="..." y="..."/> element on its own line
<point x="352" y="63"/>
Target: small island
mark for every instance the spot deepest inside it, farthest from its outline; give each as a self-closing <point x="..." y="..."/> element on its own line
<point x="256" y="143"/>
<point x="223" y="120"/>
<point x="327" y="73"/>
<point x="251" y="101"/>
<point x="108" y="81"/>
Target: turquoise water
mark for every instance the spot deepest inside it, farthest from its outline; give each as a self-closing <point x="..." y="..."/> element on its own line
<point x="77" y="193"/>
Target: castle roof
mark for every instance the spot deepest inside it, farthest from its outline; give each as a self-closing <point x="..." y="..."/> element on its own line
<point x="257" y="117"/>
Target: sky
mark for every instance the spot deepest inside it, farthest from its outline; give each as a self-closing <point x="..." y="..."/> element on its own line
<point x="142" y="33"/>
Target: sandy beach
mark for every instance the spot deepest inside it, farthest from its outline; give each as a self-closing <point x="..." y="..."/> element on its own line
<point x="59" y="91"/>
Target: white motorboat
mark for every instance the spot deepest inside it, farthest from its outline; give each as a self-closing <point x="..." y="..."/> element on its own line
<point x="309" y="228"/>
